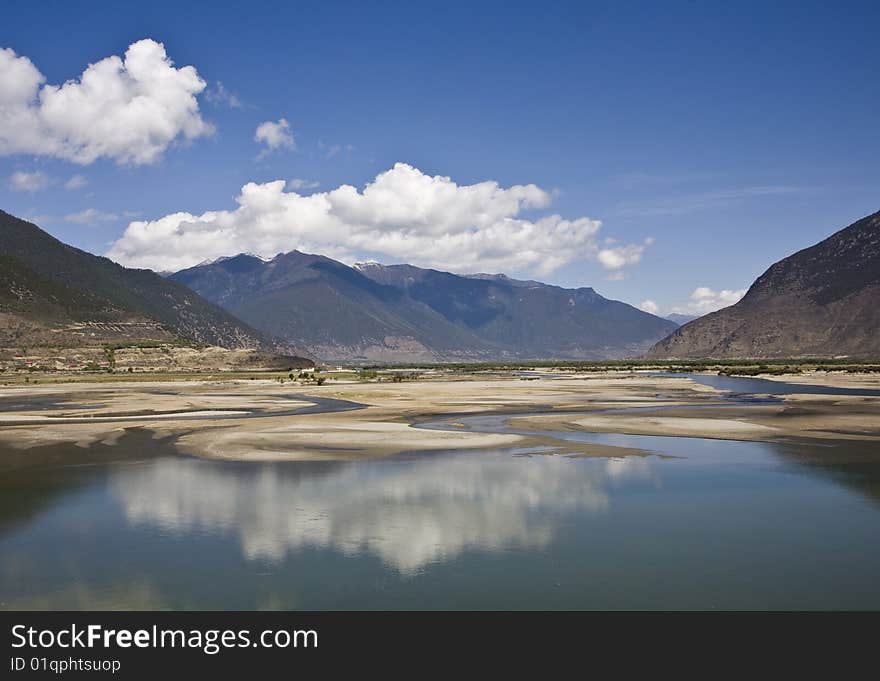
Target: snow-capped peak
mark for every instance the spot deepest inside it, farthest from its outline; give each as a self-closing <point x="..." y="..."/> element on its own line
<point x="368" y="265"/>
<point x="224" y="258"/>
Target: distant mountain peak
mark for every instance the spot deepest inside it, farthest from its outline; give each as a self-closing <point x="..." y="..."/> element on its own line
<point x="681" y="319"/>
<point x="238" y="256"/>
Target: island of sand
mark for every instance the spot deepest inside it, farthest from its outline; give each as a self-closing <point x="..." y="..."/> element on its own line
<point x="270" y="419"/>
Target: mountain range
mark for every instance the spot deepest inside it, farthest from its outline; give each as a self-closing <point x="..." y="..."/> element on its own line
<point x="404" y="313"/>
<point x="823" y="301"/>
<point x="820" y="302"/>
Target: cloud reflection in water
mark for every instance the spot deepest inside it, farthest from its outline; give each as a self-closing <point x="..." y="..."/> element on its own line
<point x="409" y="513"/>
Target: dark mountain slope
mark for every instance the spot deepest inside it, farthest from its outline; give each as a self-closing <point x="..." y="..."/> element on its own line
<point x="25" y="292"/>
<point x="329" y="308"/>
<point x="76" y="286"/>
<point x="34" y="310"/>
<point x="822" y="301"/>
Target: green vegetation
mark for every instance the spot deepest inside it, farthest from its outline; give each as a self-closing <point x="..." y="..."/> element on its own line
<point x="95" y="372"/>
<point x="695" y="365"/>
<point x="400" y="377"/>
<point x="740" y="367"/>
<point x="760" y="369"/>
<point x="851" y="368"/>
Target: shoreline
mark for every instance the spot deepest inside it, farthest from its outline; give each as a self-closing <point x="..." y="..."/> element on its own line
<point x="251" y="420"/>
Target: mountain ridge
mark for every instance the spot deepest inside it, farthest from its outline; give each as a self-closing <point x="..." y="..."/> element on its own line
<point x="406" y="313"/>
<point x="822" y="301"/>
<point x="77" y="296"/>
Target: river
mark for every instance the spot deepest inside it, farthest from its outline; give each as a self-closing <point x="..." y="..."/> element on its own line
<point x="695" y="524"/>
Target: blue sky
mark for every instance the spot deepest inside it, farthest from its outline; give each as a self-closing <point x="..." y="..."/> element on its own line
<point x="730" y="134"/>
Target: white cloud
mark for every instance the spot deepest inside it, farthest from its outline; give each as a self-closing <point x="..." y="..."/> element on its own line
<point x="649" y="306"/>
<point x="127" y="109"/>
<point x="402" y="214"/>
<point x="90" y="216"/>
<point x="705" y="299"/>
<point x="298" y="184"/>
<point x="76" y="182"/>
<point x="220" y="96"/>
<point x="21" y="181"/>
<point x="616" y="259"/>
<point x="274" y="136"/>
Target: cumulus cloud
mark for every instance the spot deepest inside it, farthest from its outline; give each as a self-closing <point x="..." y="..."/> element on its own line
<point x="76" y="182"/>
<point x="275" y="135"/>
<point x="649" y="306"/>
<point x="127" y="109"/>
<point x="403" y="214"/>
<point x="21" y="181"/>
<point x="90" y="216"/>
<point x="705" y="299"/>
<point x="616" y="259"/>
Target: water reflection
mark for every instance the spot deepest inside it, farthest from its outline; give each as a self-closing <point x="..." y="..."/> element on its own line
<point x="409" y="512"/>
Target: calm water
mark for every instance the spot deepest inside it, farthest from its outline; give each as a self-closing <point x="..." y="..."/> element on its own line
<point x="747" y="385"/>
<point x="698" y="524"/>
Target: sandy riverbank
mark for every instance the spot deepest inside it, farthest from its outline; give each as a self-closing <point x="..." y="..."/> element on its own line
<point x="795" y="418"/>
<point x="250" y="420"/>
